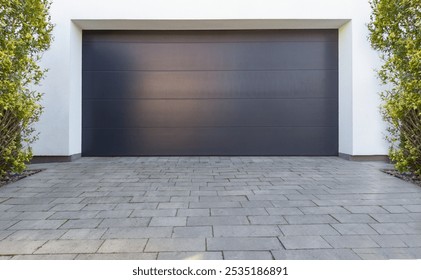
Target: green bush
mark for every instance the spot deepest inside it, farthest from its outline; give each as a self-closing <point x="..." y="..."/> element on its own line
<point x="25" y="33"/>
<point x="395" y="31"/>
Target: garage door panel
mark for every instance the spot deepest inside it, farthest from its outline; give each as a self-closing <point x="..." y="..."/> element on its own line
<point x="211" y="112"/>
<point x="250" y="92"/>
<point x="205" y="36"/>
<point x="210" y="141"/>
<point x="117" y="56"/>
<point x="210" y="84"/>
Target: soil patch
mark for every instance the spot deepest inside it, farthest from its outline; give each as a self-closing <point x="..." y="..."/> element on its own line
<point x="406" y="176"/>
<point x="10" y="178"/>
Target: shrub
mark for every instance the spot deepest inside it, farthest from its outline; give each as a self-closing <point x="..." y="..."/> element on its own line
<point x="395" y="31"/>
<point x="25" y="33"/>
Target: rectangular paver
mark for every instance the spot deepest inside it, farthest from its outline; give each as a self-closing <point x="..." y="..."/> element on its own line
<point x="308" y="230"/>
<point x="190" y="256"/>
<point x="8" y="247"/>
<point x="123" y="246"/>
<point x="221" y="220"/>
<point x="195" y="231"/>
<point x="304" y="242"/>
<point x="175" y="244"/>
<point x="351" y="241"/>
<point x="239" y="243"/>
<point x="69" y="246"/>
<point x="246" y="231"/>
<point x="137" y="232"/>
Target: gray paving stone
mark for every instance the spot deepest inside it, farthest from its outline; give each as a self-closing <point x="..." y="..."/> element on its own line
<point x="100" y="207"/>
<point x="220" y="199"/>
<point x="30" y="207"/>
<point x="28" y="200"/>
<point x="246" y="231"/>
<point x="248" y="255"/>
<point x="267" y="220"/>
<point x="175" y="244"/>
<point x="219" y="220"/>
<point x="8" y="247"/>
<point x="392" y="218"/>
<point x="124" y="222"/>
<point x="394" y="228"/>
<point x="214" y="204"/>
<point x="353" y="218"/>
<point x="308" y="230"/>
<point x="303" y="242"/>
<point x="190" y="256"/>
<point x="173" y="205"/>
<point x="184" y="199"/>
<point x="75" y="234"/>
<point x="81" y="224"/>
<point x="199" y="231"/>
<point x="157" y="199"/>
<point x="240" y="243"/>
<point x="6" y="216"/>
<point x="238" y="211"/>
<point x="310" y="219"/>
<point x="73" y="215"/>
<point x="413" y="208"/>
<point x="104" y="200"/>
<point x="388" y="253"/>
<point x="133" y="206"/>
<point x="40" y="234"/>
<point x="323" y="210"/>
<point x="168" y="221"/>
<point x="7" y="224"/>
<point x="123" y="246"/>
<point x="69" y="246"/>
<point x="138" y="232"/>
<point x="5" y="233"/>
<point x="395" y="209"/>
<point x="114" y="214"/>
<point x="67" y="207"/>
<point x="46" y="257"/>
<point x="411" y="240"/>
<point x="354" y="229"/>
<point x="257" y="204"/>
<point x="193" y="212"/>
<point x="351" y="241"/>
<point x="118" y="256"/>
<point x="389" y="241"/>
<point x="316" y="254"/>
<point x="37" y="224"/>
<point x="284" y="211"/>
<point x="154" y="213"/>
<point x="34" y="216"/>
<point x="293" y="203"/>
<point x="269" y="197"/>
<point x="361" y="209"/>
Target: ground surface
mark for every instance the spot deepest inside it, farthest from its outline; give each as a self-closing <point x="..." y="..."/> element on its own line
<point x="210" y="208"/>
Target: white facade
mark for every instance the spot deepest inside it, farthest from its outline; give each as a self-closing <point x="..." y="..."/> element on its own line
<point x="361" y="130"/>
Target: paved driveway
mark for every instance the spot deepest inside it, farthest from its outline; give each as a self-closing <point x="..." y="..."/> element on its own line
<point x="210" y="208"/>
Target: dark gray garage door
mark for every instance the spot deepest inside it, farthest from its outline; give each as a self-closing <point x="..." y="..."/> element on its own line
<point x="272" y="92"/>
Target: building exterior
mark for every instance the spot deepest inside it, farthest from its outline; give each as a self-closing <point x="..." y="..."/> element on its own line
<point x="206" y="77"/>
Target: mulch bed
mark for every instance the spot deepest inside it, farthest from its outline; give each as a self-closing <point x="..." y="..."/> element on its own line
<point x="406" y="176"/>
<point x="10" y="178"/>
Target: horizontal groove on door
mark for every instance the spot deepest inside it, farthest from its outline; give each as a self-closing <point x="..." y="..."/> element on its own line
<point x="217" y="84"/>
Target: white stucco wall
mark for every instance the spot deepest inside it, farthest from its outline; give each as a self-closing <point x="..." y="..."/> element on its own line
<point x="360" y="125"/>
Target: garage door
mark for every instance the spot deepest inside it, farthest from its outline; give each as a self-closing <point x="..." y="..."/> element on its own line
<point x="272" y="92"/>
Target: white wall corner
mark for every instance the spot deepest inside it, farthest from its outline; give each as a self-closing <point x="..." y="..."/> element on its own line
<point x="345" y="89"/>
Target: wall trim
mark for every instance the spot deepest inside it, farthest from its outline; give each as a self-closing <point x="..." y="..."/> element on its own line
<point x="383" y="158"/>
<point x="52" y="159"/>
